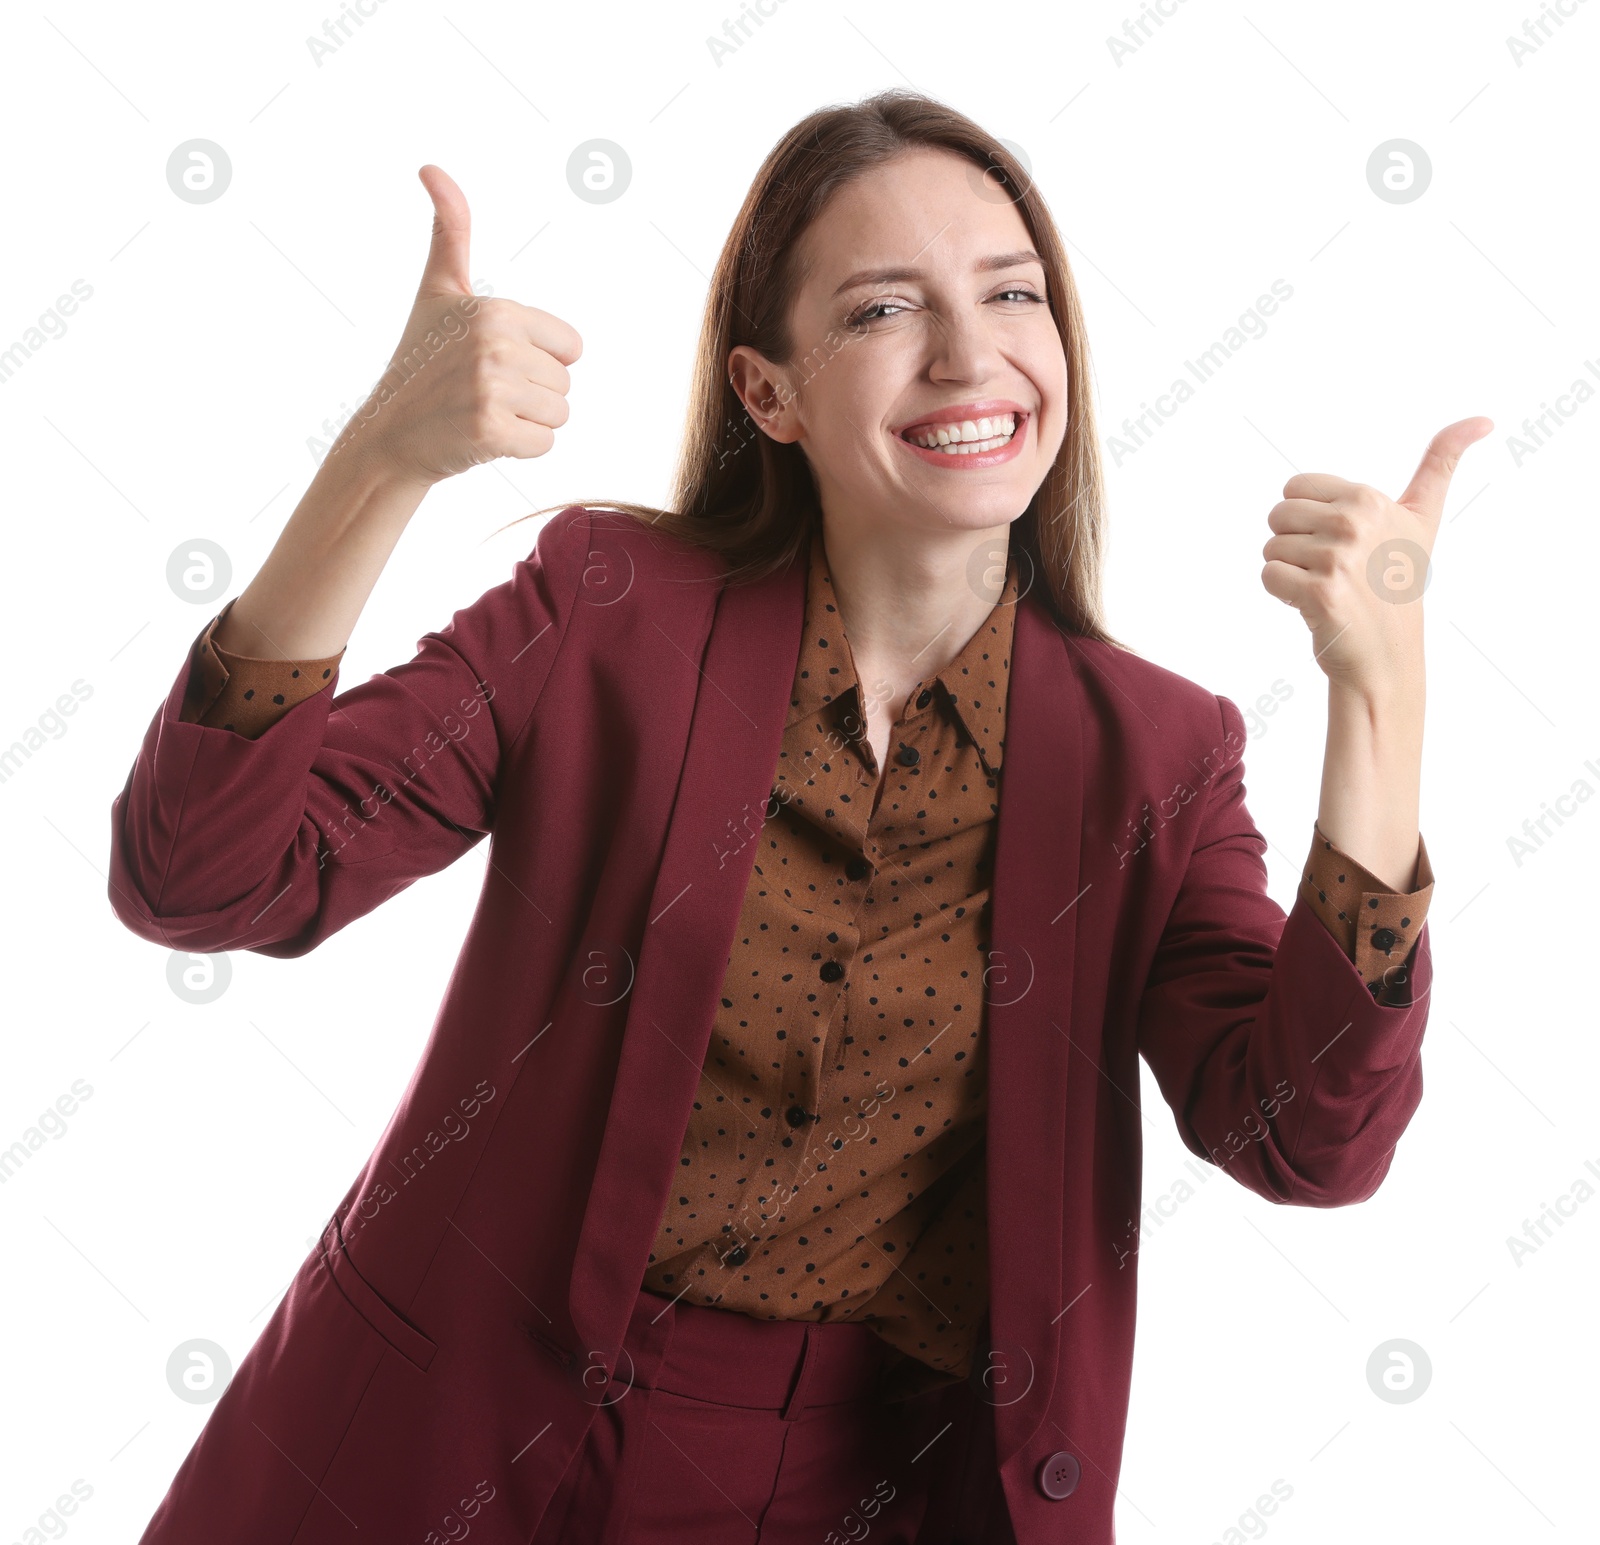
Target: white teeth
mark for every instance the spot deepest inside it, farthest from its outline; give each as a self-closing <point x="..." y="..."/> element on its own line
<point x="966" y="437"/>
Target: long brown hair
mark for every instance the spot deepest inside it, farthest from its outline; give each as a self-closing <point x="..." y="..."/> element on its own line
<point x="752" y="499"/>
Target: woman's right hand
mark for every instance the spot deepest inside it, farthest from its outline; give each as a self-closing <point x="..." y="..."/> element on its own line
<point x="473" y="378"/>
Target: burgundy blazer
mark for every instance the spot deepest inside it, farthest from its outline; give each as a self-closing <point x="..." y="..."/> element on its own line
<point x="610" y="717"/>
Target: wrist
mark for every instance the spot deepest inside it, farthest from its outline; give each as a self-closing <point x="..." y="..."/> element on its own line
<point x="362" y="479"/>
<point x="1395" y="698"/>
<point x="361" y="454"/>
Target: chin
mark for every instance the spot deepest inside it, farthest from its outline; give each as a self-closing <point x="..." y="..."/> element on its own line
<point x="994" y="507"/>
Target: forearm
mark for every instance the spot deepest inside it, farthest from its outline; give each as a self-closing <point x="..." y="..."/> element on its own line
<point x="1372" y="778"/>
<point x="308" y="594"/>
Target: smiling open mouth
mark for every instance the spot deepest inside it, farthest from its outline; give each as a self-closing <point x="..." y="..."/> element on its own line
<point x="967" y="437"/>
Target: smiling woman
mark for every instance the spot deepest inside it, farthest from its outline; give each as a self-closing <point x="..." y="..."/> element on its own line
<point x="866" y="234"/>
<point x="813" y="960"/>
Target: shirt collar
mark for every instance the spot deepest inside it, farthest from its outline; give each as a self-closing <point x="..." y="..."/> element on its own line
<point x="973" y="685"/>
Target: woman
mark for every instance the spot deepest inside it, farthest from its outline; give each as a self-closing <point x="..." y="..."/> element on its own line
<point x="770" y="1170"/>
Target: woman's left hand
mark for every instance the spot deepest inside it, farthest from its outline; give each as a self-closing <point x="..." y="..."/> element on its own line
<point x="1355" y="563"/>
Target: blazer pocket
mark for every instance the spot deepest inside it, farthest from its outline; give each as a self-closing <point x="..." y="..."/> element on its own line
<point x="371" y="1305"/>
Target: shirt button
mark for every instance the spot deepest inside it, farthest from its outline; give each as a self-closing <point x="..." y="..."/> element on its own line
<point x="1058" y="1475"/>
<point x="857" y="869"/>
<point x="796" y="1116"/>
<point x="924" y="698"/>
<point x="831" y="971"/>
<point x="909" y="756"/>
<point x="737" y="1256"/>
<point x="1384" y="939"/>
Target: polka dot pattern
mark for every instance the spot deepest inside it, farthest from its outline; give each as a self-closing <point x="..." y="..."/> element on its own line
<point x="245" y="694"/>
<point x="833" y="1164"/>
<point x="1375" y="926"/>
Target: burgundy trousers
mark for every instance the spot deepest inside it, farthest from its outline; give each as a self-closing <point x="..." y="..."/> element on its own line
<point x="722" y="1429"/>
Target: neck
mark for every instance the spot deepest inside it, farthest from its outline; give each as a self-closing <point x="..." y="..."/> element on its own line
<point x="910" y="600"/>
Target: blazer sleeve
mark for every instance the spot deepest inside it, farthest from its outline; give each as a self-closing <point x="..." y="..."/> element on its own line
<point x="222" y="841"/>
<point x="1279" y="1064"/>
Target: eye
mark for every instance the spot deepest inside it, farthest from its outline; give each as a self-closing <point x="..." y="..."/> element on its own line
<point x="870" y="312"/>
<point x="876" y="310"/>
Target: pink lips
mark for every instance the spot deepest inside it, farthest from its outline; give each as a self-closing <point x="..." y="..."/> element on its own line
<point x="973" y="460"/>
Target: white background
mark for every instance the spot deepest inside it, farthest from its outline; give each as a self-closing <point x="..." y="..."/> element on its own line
<point x="1228" y="151"/>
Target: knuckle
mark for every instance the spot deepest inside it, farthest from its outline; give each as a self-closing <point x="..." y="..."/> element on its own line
<point x="1322" y="592"/>
<point x="486" y="372"/>
<point x="496" y="350"/>
<point x="485" y="407"/>
<point x="1344" y="526"/>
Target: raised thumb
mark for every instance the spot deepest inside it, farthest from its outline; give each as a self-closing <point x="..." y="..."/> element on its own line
<point x="446" y="272"/>
<point x="1431" y="481"/>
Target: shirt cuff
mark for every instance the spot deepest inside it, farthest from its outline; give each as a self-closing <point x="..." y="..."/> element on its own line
<point x="1375" y="925"/>
<point x="243" y="693"/>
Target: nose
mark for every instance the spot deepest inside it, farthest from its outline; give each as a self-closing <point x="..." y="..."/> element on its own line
<point x="963" y="347"/>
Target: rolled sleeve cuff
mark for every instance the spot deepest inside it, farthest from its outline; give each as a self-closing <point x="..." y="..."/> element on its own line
<point x="1376" y="926"/>
<point x="245" y="694"/>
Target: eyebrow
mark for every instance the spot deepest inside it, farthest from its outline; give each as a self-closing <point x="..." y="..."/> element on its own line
<point x="895" y="275"/>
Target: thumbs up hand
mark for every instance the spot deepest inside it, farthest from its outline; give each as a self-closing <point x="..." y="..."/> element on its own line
<point x="1355" y="562"/>
<point x="473" y="378"/>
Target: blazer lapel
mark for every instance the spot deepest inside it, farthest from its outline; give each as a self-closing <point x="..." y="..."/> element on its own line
<point x="1028" y="982"/>
<point x="746" y="676"/>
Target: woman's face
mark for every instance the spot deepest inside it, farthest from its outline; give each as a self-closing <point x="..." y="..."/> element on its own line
<point x="921" y="272"/>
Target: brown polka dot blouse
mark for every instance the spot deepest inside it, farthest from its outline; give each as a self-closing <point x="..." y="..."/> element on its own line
<point x="833" y="1163"/>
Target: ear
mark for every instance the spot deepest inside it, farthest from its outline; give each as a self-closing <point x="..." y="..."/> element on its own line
<point x="764" y="390"/>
